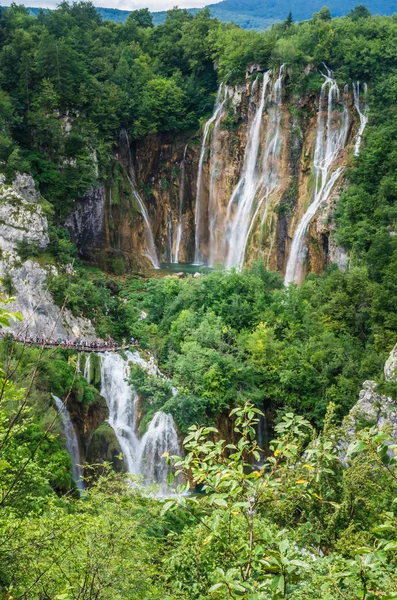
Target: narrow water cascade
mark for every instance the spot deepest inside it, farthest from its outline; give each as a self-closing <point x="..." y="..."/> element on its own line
<point x="362" y="109"/>
<point x="87" y="368"/>
<point x="151" y="251"/>
<point x="216" y="238"/>
<point x="143" y="456"/>
<point x="332" y="130"/>
<point x="72" y="444"/>
<point x="199" y="219"/>
<point x="170" y="236"/>
<point x="240" y="208"/>
<point x="180" y="226"/>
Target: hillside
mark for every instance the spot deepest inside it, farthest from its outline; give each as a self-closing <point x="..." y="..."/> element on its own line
<point x="255" y="14"/>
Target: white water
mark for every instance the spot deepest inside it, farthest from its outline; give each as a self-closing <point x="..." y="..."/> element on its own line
<point x="199" y="212"/>
<point x="245" y="191"/>
<point x="160" y="437"/>
<point x="151" y="251"/>
<point x="72" y="444"/>
<point x="362" y="113"/>
<point x="180" y="226"/>
<point x="87" y="367"/>
<point x="332" y="130"/>
<point x="142" y="456"/>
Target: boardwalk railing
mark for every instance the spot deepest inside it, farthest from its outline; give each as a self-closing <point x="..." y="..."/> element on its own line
<point x="75" y="347"/>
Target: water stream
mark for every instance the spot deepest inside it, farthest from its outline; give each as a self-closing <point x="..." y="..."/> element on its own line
<point x="332" y="130"/>
<point x="72" y="444"/>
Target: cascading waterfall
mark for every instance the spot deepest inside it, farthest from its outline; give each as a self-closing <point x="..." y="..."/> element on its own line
<point x="72" y="444"/>
<point x="180" y="226"/>
<point x="332" y="130"/>
<point x="121" y="400"/>
<point x="160" y="436"/>
<point x="245" y="191"/>
<point x="142" y="456"/>
<point x="362" y="113"/>
<point x="199" y="214"/>
<point x="151" y="251"/>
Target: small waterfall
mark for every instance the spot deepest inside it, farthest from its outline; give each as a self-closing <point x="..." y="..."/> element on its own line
<point x="199" y="214"/>
<point x="160" y="437"/>
<point x="121" y="400"/>
<point x="245" y="191"/>
<point x="362" y="113"/>
<point x="180" y="226"/>
<point x="142" y="456"/>
<point x="151" y="251"/>
<point x="72" y="444"/>
<point x="332" y="130"/>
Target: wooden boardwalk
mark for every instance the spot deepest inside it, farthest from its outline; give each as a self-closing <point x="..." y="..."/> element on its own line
<point x="97" y="350"/>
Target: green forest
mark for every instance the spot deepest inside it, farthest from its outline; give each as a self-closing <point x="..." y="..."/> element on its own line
<point x="267" y="517"/>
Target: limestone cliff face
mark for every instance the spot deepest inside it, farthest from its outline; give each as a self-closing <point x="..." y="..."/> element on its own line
<point x="194" y="186"/>
<point x="23" y="222"/>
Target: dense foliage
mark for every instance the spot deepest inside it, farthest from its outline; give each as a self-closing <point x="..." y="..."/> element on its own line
<point x="228" y="337"/>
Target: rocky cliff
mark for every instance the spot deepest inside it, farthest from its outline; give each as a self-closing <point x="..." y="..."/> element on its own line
<point x="239" y="190"/>
<point x="24" y="230"/>
<point x="374" y="409"/>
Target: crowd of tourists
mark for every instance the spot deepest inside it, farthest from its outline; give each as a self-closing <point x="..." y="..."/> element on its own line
<point x="77" y="343"/>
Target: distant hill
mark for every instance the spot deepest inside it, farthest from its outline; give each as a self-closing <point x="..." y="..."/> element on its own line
<point x="260" y="14"/>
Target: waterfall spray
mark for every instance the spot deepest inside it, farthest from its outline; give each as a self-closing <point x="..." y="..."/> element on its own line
<point x="179" y="230"/>
<point x="330" y="141"/>
<point x="362" y="113"/>
<point x="151" y="251"/>
<point x="199" y="214"/>
<point x="72" y="444"/>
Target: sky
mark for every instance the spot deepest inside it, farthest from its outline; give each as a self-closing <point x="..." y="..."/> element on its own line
<point x="153" y="5"/>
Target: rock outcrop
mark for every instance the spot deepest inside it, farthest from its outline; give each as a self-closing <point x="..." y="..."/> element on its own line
<point x="23" y="224"/>
<point x="373" y="409"/>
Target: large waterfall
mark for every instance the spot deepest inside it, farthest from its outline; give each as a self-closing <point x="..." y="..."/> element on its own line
<point x="259" y="177"/>
<point x="243" y="196"/>
<point x="151" y="251"/>
<point x="332" y="130"/>
<point x="142" y="456"/>
<point x="199" y="219"/>
<point x="72" y="444"/>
